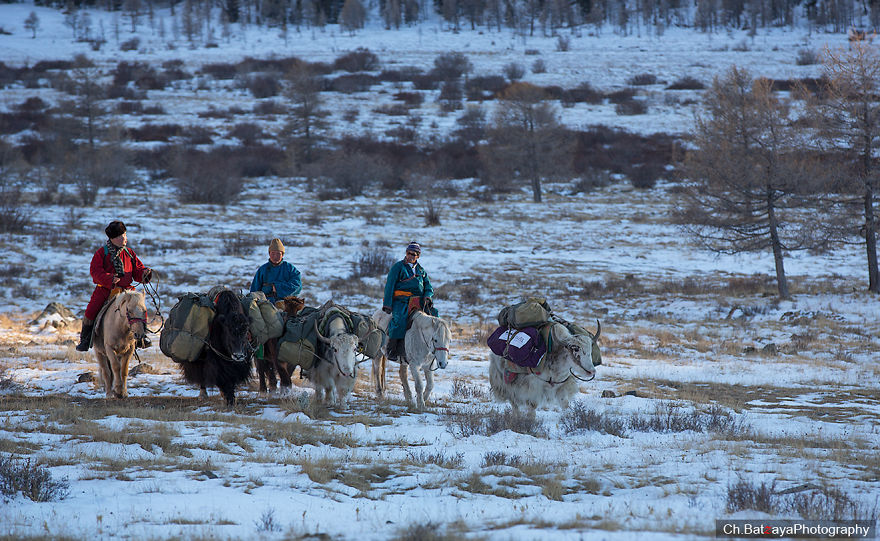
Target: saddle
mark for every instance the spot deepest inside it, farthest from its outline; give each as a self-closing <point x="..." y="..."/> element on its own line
<point x="97" y="324"/>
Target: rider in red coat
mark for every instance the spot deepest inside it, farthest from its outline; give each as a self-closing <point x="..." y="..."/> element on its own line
<point x="113" y="265"/>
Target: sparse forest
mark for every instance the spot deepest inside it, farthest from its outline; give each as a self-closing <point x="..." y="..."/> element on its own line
<point x="698" y="179"/>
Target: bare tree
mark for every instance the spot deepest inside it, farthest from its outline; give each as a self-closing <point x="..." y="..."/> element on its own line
<point x="749" y="179"/>
<point x="32" y="23"/>
<point x="307" y="119"/>
<point x="847" y="111"/>
<point x="526" y="137"/>
<point x="353" y="16"/>
<point x="89" y="92"/>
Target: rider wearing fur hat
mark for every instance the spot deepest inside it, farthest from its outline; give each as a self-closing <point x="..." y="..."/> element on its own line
<point x="277" y="278"/>
<point x="114" y="265"/>
<point x="406" y="288"/>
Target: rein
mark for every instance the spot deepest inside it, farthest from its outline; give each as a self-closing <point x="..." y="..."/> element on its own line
<point x="152" y="290"/>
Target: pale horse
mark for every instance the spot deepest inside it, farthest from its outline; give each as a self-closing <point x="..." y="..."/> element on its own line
<point x="124" y="322"/>
<point x="335" y="369"/>
<point x="426" y="343"/>
<point x="554" y="381"/>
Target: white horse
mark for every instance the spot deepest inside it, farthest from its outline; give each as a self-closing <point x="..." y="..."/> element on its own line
<point x="124" y="321"/>
<point x="554" y="381"/>
<point x="426" y="342"/>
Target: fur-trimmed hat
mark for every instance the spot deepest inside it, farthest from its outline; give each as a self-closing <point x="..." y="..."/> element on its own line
<point x="276" y="246"/>
<point x="115" y="229"/>
<point x="414" y="247"/>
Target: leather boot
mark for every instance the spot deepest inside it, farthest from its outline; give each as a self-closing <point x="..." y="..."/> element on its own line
<point x="393" y="346"/>
<point x="144" y="343"/>
<point x="85" y="335"/>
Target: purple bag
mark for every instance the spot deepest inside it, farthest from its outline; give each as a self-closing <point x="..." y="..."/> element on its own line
<point x="523" y="347"/>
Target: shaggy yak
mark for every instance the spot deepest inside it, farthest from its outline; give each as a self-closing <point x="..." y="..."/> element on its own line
<point x="554" y="382"/>
<point x="122" y="323"/>
<point x="226" y="359"/>
<point x="336" y="369"/>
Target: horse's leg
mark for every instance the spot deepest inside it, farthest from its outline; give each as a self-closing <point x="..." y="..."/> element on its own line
<point x="407" y="394"/>
<point x="417" y="385"/>
<point x="105" y="372"/>
<point x="260" y="365"/>
<point x="271" y="354"/>
<point x="379" y="375"/>
<point x="429" y="382"/>
<point x="121" y="378"/>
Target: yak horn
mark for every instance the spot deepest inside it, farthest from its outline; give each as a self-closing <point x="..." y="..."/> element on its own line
<point x="598" y="330"/>
<point x="321" y="337"/>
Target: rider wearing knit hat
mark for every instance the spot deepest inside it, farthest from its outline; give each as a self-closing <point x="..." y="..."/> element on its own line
<point x="407" y="287"/>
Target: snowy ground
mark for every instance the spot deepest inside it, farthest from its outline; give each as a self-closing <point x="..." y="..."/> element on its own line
<point x="687" y="332"/>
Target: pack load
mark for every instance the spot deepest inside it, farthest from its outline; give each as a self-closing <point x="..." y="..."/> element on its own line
<point x="532" y="312"/>
<point x="523" y="347"/>
<point x="187" y="327"/>
<point x="266" y="320"/>
<point x="528" y="331"/>
<point x="371" y="338"/>
<point x="298" y="344"/>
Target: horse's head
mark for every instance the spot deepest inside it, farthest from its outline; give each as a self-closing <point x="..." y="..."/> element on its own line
<point x="440" y="340"/>
<point x="132" y="303"/>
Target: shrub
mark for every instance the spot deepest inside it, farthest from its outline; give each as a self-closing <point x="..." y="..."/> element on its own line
<point x="32" y="480"/>
<point x="246" y="132"/>
<point x="579" y="417"/>
<point x="130" y="107"/>
<point x="372" y="261"/>
<point x="563" y="43"/>
<point x="484" y="87"/>
<point x="263" y="86"/>
<point x="239" y="244"/>
<point x="539" y="66"/>
<point x="631" y="107"/>
<point x="14" y="217"/>
<point x="351" y="172"/>
<point x="392" y="109"/>
<point x="432" y="214"/>
<point x="642" y="79"/>
<point x="155" y="132"/>
<point x="686" y="83"/>
<point x="645" y="176"/>
<point x="130" y="45"/>
<point x="466" y="422"/>
<point x="411" y="99"/>
<point x="514" y="71"/>
<point x="206" y="178"/>
<point x="269" y="107"/>
<point x="353" y="82"/>
<point x="744" y="495"/>
<point x="582" y="93"/>
<point x="428" y="81"/>
<point x="807" y="57"/>
<point x="220" y="70"/>
<point x="620" y="96"/>
<point x="451" y="66"/>
<point x="360" y="59"/>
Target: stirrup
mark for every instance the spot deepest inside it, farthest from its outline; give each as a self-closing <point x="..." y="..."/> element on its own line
<point x="509" y="377"/>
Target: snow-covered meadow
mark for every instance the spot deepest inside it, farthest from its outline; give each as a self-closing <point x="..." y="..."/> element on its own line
<point x="718" y="386"/>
